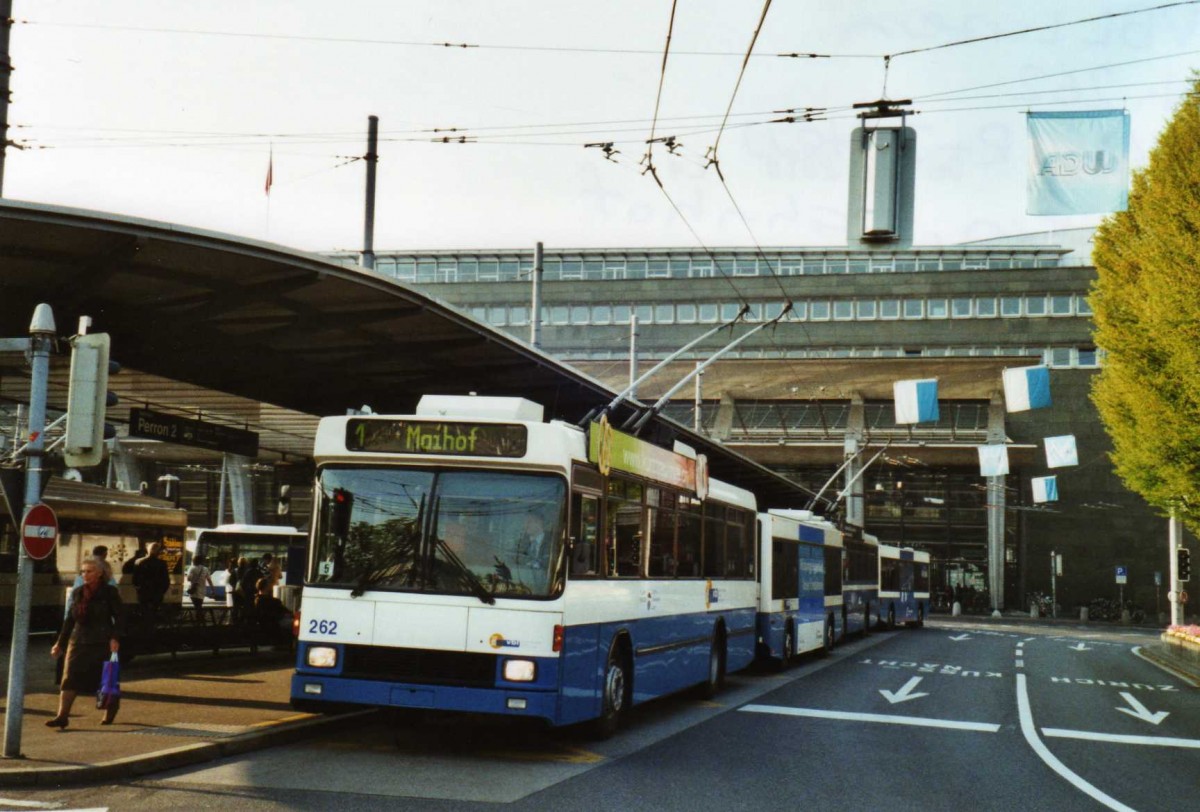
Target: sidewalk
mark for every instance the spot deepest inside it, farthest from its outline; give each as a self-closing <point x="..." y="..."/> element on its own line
<point x="173" y="713"/>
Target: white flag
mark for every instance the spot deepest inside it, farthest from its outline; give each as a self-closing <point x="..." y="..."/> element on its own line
<point x="1061" y="452"/>
<point x="993" y="460"/>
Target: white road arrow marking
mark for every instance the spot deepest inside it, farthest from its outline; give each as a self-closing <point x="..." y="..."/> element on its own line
<point x="905" y="693"/>
<point x="962" y="637"/>
<point x="1140" y="711"/>
<point x="1079" y="647"/>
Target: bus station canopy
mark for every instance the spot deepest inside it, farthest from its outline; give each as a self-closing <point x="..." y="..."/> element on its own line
<point x="253" y="335"/>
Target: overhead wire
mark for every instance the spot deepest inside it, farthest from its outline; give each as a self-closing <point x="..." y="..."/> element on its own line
<point x="1035" y="29"/>
<point x="463" y="46"/>
<point x="713" y="160"/>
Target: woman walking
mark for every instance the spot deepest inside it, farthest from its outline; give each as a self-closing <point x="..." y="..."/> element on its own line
<point x="90" y="633"/>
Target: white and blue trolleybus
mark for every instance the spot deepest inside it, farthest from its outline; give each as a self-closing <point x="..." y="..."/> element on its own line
<point x="903" y="585"/>
<point x="800" y="599"/>
<point x="473" y="557"/>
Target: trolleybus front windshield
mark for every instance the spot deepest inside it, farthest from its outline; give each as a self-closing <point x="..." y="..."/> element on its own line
<point x="445" y="531"/>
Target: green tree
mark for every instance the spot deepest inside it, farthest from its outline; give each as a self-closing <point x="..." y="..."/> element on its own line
<point x="1146" y="301"/>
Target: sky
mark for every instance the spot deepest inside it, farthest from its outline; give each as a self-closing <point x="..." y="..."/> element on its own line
<point x="173" y="110"/>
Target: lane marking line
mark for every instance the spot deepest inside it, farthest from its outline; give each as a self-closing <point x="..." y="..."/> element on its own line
<point x="879" y="718"/>
<point x="1152" y="741"/>
<point x="1043" y="752"/>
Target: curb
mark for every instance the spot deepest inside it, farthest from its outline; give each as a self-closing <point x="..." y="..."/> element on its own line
<point x="1169" y="663"/>
<point x="123" y="768"/>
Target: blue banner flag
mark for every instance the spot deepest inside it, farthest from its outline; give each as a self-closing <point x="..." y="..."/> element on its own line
<point x="916" y="401"/>
<point x="1026" y="388"/>
<point x="1078" y="162"/>
<point x="1045" y="489"/>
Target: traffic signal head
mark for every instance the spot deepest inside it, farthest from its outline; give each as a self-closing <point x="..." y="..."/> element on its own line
<point x="343" y="505"/>
<point x="1183" y="563"/>
<point x="87" y="400"/>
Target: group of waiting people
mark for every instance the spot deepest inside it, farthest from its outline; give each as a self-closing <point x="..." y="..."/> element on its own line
<point x="249" y="588"/>
<point x="93" y="623"/>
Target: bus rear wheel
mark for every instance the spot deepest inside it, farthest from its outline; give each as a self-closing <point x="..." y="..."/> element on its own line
<point x="614" y="694"/>
<point x="716" y="667"/>
<point x="789" y="646"/>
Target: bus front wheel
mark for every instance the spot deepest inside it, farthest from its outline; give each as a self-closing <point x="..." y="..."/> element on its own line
<point x="615" y="693"/>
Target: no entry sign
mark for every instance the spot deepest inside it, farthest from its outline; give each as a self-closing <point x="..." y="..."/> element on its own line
<point x="39" y="531"/>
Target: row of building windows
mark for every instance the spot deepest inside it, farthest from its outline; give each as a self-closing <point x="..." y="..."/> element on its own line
<point x="1059" y="357"/>
<point x="966" y="307"/>
<point x="510" y="268"/>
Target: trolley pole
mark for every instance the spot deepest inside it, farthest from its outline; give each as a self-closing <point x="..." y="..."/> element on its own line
<point x="41" y="335"/>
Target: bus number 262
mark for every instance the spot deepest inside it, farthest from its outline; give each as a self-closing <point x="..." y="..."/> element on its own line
<point x="322" y="627"/>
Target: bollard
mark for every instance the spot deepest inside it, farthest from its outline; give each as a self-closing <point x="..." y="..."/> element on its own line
<point x="1083" y="614"/>
<point x="1033" y="611"/>
<point x="956" y="609"/>
<point x="1125" y="617"/>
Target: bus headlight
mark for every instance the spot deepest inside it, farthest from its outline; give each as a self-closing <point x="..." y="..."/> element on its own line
<point x="322" y="657"/>
<point x="520" y="670"/>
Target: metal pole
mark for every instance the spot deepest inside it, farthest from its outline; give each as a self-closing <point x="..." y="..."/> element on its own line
<point x="221" y="493"/>
<point x="696" y="422"/>
<point x="41" y="332"/>
<point x="5" y="73"/>
<point x="633" y="355"/>
<point x="368" y="254"/>
<point x="1174" y="542"/>
<point x="535" y="306"/>
<point x="1053" y="583"/>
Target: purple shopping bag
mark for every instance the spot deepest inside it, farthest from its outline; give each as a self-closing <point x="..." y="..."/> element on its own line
<point x="110" y="683"/>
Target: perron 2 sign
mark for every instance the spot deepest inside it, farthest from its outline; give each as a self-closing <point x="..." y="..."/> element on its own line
<point x="196" y="433"/>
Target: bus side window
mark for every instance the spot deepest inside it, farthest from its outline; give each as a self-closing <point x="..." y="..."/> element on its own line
<point x="585" y="530"/>
<point x="689" y="538"/>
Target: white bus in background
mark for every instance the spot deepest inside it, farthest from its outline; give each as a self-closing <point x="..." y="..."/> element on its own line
<point x="472" y="557"/>
<point x="251" y="541"/>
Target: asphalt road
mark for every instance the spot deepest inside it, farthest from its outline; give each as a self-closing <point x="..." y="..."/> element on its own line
<point x="952" y="716"/>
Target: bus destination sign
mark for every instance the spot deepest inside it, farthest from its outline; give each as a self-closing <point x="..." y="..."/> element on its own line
<point x="436" y="437"/>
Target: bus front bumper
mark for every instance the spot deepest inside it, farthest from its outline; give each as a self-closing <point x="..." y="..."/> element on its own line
<point x="503" y="701"/>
